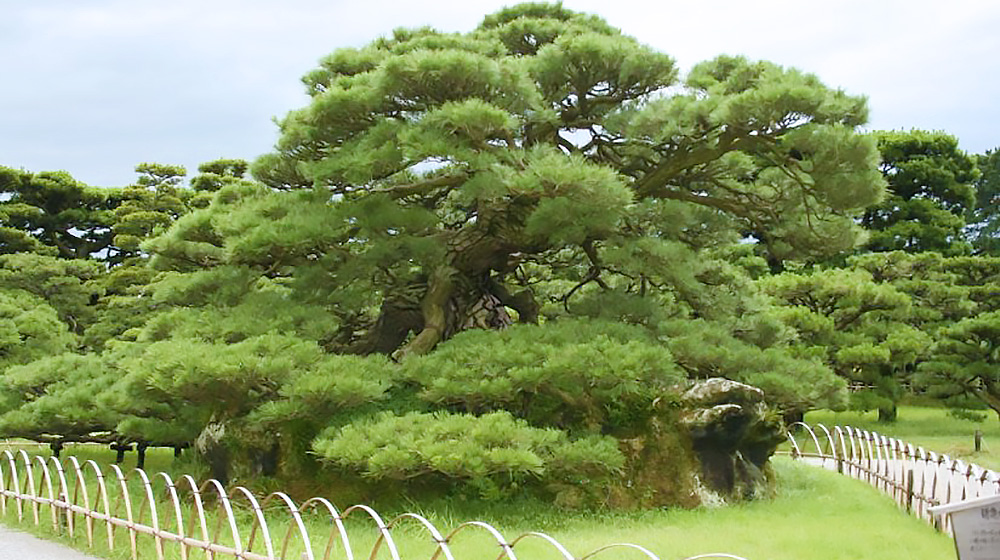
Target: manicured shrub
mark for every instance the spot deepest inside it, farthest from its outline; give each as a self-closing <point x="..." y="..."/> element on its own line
<point x="585" y="375"/>
<point x="491" y="453"/>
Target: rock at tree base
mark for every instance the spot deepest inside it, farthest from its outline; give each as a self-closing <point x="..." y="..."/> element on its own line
<point x="733" y="436"/>
<point x="709" y="446"/>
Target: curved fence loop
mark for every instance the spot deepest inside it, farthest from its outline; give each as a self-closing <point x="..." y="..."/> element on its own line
<point x="442" y="543"/>
<point x="795" y="444"/>
<point x="105" y="498"/>
<point x="339" y="527"/>
<point x="79" y="488"/>
<point x="227" y="508"/>
<point x="126" y="499"/>
<point x="154" y="516"/>
<point x="199" y="508"/>
<point x="46" y="479"/>
<point x="554" y="543"/>
<point x="505" y="547"/>
<point x="384" y="535"/>
<point x="829" y="441"/>
<point x="298" y="524"/>
<point x="259" y="521"/>
<point x="178" y="516"/>
<point x="11" y="484"/>
<point x="3" y="489"/>
<point x="643" y="550"/>
<point x="29" y="477"/>
<point x="62" y="497"/>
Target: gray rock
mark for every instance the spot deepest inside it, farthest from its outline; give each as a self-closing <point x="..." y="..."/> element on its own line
<point x="733" y="436"/>
<point x="717" y="390"/>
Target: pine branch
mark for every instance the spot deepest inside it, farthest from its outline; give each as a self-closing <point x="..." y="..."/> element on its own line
<point x="422" y="187"/>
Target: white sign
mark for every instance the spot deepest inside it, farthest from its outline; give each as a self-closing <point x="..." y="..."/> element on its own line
<point x="976" y="524"/>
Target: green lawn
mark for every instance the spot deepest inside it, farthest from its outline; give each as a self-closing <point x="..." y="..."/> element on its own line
<point x="818" y="515"/>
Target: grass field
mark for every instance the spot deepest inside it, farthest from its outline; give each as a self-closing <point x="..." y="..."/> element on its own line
<point x="816" y="514"/>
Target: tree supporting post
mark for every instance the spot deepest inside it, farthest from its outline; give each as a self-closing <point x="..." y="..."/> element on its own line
<point x="120" y="448"/>
<point x="979" y="440"/>
<point x="140" y="449"/>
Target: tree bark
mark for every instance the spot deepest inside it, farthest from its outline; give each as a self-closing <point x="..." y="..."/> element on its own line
<point x="396" y="320"/>
<point x="440" y="287"/>
<point x="523" y="302"/>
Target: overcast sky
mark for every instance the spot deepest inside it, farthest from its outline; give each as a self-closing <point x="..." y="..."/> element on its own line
<point x="96" y="86"/>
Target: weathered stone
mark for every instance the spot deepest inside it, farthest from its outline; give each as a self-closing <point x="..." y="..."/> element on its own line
<point x="661" y="467"/>
<point x="717" y="390"/>
<point x="733" y="436"/>
<point x="707" y="445"/>
<point x="211" y="448"/>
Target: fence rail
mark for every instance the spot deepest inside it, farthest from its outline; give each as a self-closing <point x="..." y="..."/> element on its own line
<point x="79" y="496"/>
<point x="913" y="476"/>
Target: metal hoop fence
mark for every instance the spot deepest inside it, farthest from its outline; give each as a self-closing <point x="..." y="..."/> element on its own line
<point x="194" y="519"/>
<point x="913" y="476"/>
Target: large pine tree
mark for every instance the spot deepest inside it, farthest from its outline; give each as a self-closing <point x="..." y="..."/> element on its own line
<point x="442" y="176"/>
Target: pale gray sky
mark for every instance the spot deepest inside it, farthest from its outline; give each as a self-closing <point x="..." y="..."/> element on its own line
<point x="96" y="86"/>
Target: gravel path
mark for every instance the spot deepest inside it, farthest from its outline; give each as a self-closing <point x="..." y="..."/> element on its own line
<point x="15" y="545"/>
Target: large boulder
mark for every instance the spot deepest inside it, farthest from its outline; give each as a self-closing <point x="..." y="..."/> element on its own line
<point x="733" y="434"/>
<point x="709" y="444"/>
